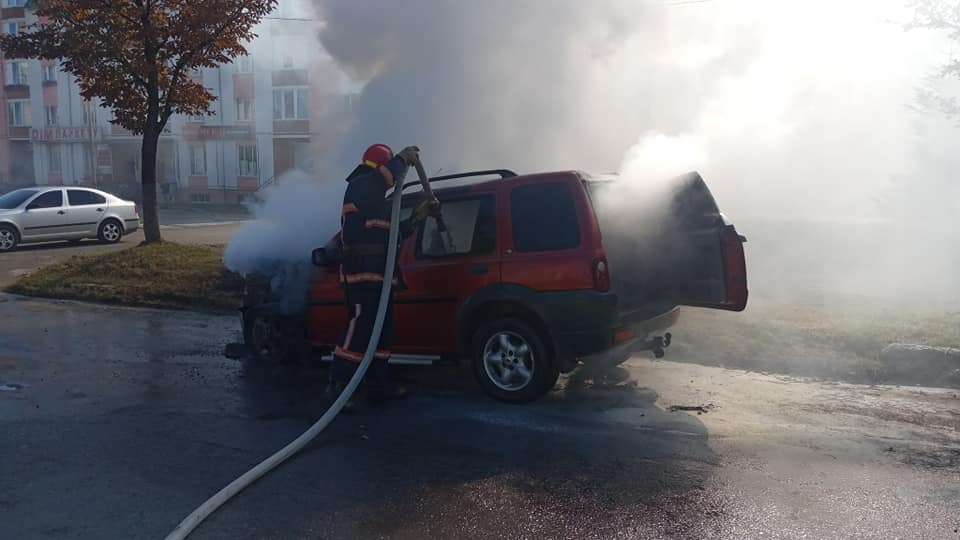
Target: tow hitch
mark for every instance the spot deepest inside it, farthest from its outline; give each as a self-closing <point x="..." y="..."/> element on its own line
<point x="657" y="344"/>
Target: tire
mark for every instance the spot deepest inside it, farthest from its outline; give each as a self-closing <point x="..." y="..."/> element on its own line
<point x="9" y="238"/>
<point x="110" y="232"/>
<point x="272" y="338"/>
<point x="258" y="333"/>
<point x="525" y="371"/>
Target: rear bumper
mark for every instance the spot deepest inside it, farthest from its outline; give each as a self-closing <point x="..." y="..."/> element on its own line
<point x="586" y="323"/>
<point x="603" y="345"/>
<point x="130" y="225"/>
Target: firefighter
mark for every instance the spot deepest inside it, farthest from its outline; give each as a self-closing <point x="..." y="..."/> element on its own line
<point x="365" y="229"/>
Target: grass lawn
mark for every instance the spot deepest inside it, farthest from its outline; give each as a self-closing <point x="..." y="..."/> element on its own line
<point x="841" y="342"/>
<point x="162" y="275"/>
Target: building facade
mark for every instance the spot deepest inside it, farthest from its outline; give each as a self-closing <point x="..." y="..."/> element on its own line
<point x="265" y="121"/>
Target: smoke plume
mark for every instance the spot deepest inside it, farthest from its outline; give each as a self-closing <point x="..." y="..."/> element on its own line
<point x="796" y="113"/>
<point x="297" y="215"/>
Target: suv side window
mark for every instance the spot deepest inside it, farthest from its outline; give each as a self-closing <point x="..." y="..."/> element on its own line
<point x="471" y="230"/>
<point x="80" y="197"/>
<point x="50" y="199"/>
<point x="544" y="218"/>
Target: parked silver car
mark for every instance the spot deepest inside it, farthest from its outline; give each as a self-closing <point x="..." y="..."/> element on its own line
<point x="42" y="214"/>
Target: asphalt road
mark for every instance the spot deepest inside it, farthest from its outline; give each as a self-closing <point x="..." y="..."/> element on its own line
<point x="199" y="229"/>
<point x="118" y="422"/>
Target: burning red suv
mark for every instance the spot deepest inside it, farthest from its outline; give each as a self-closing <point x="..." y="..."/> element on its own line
<point x="538" y="273"/>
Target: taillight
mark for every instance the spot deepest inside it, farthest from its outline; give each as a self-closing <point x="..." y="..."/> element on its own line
<point x="601" y="275"/>
<point x="136" y="209"/>
<point x="734" y="270"/>
<point x="623" y="334"/>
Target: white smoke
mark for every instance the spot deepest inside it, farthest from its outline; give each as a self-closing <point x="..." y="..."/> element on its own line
<point x="796" y="114"/>
<point x="299" y="213"/>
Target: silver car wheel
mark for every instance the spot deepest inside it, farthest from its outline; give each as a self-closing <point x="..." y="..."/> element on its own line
<point x="111" y="231"/>
<point x="8" y="239"/>
<point x="508" y="361"/>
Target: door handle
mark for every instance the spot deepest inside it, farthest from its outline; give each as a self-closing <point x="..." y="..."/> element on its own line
<point x="479" y="269"/>
<point x="61" y="212"/>
<point x="99" y="209"/>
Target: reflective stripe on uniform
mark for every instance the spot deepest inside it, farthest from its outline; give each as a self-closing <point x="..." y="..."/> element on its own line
<point x="356" y="358"/>
<point x="371" y="164"/>
<point x="349" y="356"/>
<point x="365" y="277"/>
<point x="377" y="224"/>
<point x="348" y="209"/>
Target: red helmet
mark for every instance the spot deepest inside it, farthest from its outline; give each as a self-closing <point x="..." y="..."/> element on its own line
<point x="377" y="155"/>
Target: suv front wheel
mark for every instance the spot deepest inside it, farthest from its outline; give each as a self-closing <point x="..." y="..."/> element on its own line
<point x="511" y="361"/>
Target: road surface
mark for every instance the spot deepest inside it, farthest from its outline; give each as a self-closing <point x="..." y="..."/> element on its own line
<point x="117" y="422"/>
<point x="32" y="256"/>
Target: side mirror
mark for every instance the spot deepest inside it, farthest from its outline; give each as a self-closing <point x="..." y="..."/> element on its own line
<point x="319" y="257"/>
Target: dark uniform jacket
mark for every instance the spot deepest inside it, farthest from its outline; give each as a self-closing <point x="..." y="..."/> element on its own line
<point x="365" y="224"/>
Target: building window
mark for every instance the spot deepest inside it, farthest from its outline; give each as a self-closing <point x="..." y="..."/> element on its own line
<point x="53" y="157"/>
<point x="290" y="104"/>
<point x="49" y="72"/>
<point x="245" y="64"/>
<point x="198" y="160"/>
<point x="52" y="118"/>
<point x="248" y="160"/>
<point x="89" y="113"/>
<point x="18" y="112"/>
<point x="14" y="3"/>
<point x="286" y="61"/>
<point x="200" y="197"/>
<point x="244" y="110"/>
<point x="11" y="28"/>
<point x="197" y="118"/>
<point x="17" y="72"/>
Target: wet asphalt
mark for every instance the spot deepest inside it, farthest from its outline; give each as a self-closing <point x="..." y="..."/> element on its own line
<point x="116" y="423"/>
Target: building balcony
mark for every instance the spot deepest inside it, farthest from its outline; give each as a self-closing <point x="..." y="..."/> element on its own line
<point x="19" y="132"/>
<point x="290" y="77"/>
<point x="13" y="13"/>
<point x="291" y="127"/>
<point x="17" y="91"/>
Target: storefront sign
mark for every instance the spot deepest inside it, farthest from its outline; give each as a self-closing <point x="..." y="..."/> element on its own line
<point x="66" y="134"/>
<point x="226" y="132"/>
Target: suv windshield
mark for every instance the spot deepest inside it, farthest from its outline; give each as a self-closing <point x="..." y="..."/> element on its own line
<point x="16" y="198"/>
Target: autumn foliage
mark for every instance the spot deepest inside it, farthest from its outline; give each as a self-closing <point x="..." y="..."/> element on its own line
<point x="137" y="56"/>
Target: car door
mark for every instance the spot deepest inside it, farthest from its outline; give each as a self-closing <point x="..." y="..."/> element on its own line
<point x="44" y="217"/>
<point x="86" y="209"/>
<point x="441" y="268"/>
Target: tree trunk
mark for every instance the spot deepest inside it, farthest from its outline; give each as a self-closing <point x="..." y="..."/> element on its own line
<point x="148" y="175"/>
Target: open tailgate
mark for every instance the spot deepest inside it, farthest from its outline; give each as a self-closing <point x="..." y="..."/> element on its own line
<point x="678" y="249"/>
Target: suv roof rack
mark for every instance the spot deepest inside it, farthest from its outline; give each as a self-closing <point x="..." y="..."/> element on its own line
<point x="503" y="173"/>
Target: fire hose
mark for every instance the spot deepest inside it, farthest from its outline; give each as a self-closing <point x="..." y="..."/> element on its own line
<point x="213" y="503"/>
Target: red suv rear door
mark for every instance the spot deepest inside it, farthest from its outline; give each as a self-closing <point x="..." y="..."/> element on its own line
<point x="547" y="243"/>
<point x="442" y="268"/>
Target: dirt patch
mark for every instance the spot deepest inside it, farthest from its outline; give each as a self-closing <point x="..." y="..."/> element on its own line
<point x="163" y="275"/>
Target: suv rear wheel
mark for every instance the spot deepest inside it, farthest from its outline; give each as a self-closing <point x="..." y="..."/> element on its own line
<point x="511" y="361"/>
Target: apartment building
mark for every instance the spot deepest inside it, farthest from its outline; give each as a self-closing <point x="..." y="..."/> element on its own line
<point x="266" y="120"/>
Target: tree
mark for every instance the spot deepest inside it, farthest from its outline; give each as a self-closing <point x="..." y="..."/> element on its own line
<point x="138" y="57"/>
<point x="941" y="15"/>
